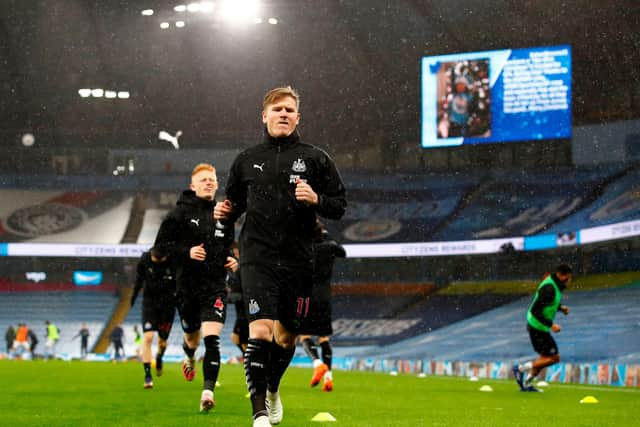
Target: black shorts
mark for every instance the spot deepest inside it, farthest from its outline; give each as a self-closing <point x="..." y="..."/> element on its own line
<point x="241" y="326"/>
<point x="280" y="293"/>
<point x="158" y="316"/>
<point x="201" y="306"/>
<point x="318" y="322"/>
<point x="543" y="343"/>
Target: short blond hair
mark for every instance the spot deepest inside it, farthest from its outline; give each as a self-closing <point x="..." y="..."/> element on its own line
<point x="203" y="167"/>
<point x="278" y="93"/>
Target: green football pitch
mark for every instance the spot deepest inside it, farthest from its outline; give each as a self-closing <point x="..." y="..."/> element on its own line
<point x="60" y="393"/>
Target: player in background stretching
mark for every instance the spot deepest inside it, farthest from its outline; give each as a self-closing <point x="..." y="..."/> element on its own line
<point x="318" y="322"/>
<point x="200" y="248"/>
<point x="156" y="276"/>
<point x="281" y="184"/>
<point x="540" y="324"/>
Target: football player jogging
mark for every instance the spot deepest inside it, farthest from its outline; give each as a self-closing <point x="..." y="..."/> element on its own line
<point x="540" y="324"/>
<point x="83" y="333"/>
<point x="200" y="247"/>
<point x="156" y="277"/>
<point x="318" y="322"/>
<point x="281" y="185"/>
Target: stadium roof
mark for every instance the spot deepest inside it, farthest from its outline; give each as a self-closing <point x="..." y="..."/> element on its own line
<point x="355" y="62"/>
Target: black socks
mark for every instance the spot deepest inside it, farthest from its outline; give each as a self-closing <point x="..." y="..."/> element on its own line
<point x="211" y="361"/>
<point x="327" y="353"/>
<point x="310" y="348"/>
<point x="256" y="361"/>
<point x="280" y="359"/>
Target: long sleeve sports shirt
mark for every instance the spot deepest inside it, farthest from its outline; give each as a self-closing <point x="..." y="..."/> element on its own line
<point x="278" y="229"/>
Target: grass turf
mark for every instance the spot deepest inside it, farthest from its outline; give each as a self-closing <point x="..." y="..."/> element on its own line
<point x="60" y="393"/>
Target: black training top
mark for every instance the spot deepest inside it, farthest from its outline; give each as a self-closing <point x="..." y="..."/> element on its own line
<point x="278" y="229"/>
<point x="157" y="279"/>
<point x="190" y="224"/>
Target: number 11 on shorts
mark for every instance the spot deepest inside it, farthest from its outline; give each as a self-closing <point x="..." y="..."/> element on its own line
<point x="303" y="307"/>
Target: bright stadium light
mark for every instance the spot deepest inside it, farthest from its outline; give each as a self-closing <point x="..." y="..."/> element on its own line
<point x="179" y="24"/>
<point x="147" y="12"/>
<point x="272" y="21"/>
<point x="193" y="7"/>
<point x="28" y="139"/>
<point x="257" y="20"/>
<point x="85" y="93"/>
<point x="180" y="8"/>
<point x="97" y="93"/>
<point x="239" y="10"/>
<point x="206" y="7"/>
<point x="123" y="94"/>
<point x="110" y="94"/>
<point x="164" y="25"/>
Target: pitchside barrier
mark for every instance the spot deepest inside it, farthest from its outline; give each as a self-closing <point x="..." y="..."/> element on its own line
<point x="603" y="233"/>
<point x="569" y="373"/>
<point x="564" y="373"/>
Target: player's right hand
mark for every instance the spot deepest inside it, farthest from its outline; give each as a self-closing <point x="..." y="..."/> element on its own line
<point x="555" y="328"/>
<point x="223" y="209"/>
<point x="198" y="253"/>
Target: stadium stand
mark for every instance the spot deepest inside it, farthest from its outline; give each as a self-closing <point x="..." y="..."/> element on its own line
<point x="66" y="309"/>
<point x="517" y="203"/>
<point x="422" y="207"/>
<point x="64" y="217"/>
<point x="620" y="201"/>
<point x="603" y="327"/>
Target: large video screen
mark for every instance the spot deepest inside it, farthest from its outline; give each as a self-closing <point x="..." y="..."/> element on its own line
<point x="496" y="96"/>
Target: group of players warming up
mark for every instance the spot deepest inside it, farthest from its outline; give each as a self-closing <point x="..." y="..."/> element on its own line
<point x="281" y="186"/>
<point x="281" y="279"/>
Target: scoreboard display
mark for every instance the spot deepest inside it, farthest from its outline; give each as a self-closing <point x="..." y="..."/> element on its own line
<point x="496" y="96"/>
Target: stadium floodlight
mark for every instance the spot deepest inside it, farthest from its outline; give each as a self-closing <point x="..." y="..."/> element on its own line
<point x="97" y="93"/>
<point x="164" y="25"/>
<point x="85" y="93"/>
<point x="110" y="94"/>
<point x="206" y="7"/>
<point x="180" y="8"/>
<point x="180" y="24"/>
<point x="272" y="21"/>
<point x="239" y="10"/>
<point x="257" y="20"/>
<point x="28" y="139"/>
<point x="193" y="7"/>
<point x="147" y="12"/>
<point x="123" y="94"/>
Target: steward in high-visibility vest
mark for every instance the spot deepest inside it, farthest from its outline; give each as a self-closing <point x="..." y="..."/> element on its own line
<point x="53" y="335"/>
<point x="53" y="332"/>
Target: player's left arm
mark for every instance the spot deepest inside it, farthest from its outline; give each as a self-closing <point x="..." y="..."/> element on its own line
<point x="231" y="263"/>
<point x="332" y="201"/>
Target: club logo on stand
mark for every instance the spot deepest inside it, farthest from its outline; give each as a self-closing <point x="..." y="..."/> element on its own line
<point x="45" y="219"/>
